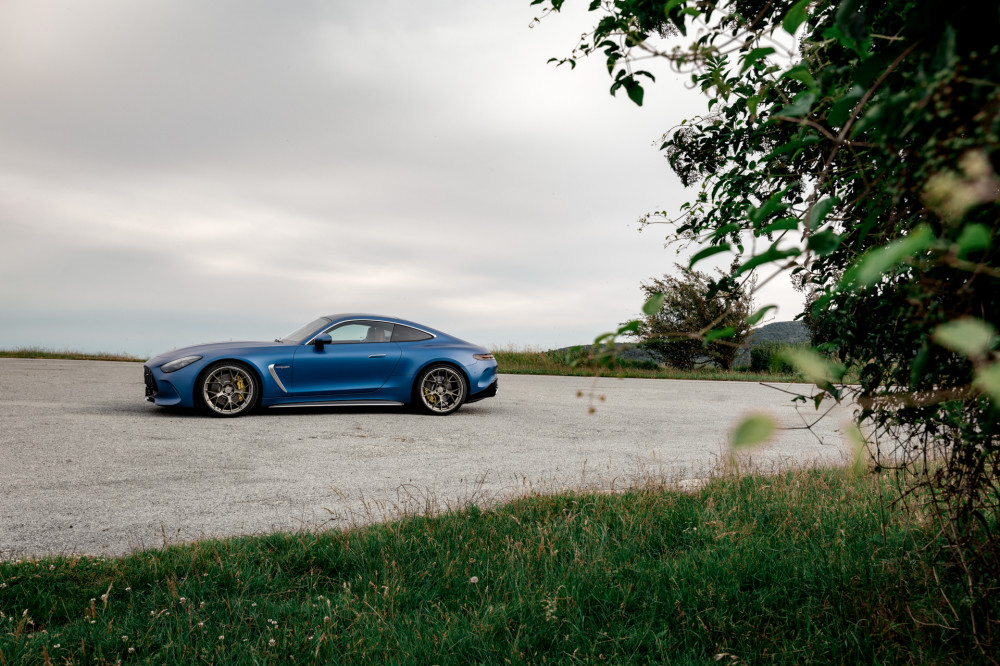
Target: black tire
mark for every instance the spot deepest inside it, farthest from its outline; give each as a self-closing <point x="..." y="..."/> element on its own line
<point x="440" y="390"/>
<point x="228" y="389"/>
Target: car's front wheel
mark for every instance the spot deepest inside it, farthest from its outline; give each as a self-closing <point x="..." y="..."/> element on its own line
<point x="441" y="389"/>
<point x="228" y="389"/>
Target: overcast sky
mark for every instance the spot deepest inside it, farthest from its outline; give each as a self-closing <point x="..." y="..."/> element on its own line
<point x="174" y="172"/>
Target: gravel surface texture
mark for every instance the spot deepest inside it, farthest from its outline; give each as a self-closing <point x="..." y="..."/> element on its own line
<point x="88" y="466"/>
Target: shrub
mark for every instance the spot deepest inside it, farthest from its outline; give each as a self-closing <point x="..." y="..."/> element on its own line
<point x="768" y="357"/>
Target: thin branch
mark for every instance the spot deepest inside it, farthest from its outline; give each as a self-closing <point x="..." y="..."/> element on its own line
<point x="824" y="131"/>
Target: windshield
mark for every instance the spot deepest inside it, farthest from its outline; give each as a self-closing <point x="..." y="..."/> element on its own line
<point x="301" y="334"/>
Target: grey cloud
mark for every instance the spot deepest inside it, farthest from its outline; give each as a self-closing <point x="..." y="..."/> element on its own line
<point x="188" y="170"/>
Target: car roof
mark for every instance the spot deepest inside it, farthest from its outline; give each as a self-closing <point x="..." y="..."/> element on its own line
<point x="334" y="318"/>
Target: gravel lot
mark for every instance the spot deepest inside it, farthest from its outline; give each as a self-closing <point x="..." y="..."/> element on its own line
<point x="90" y="467"/>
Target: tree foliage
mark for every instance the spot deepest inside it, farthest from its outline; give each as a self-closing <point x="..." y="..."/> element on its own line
<point x="863" y="161"/>
<point x="693" y="305"/>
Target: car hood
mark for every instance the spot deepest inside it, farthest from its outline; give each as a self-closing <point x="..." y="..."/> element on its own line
<point x="208" y="349"/>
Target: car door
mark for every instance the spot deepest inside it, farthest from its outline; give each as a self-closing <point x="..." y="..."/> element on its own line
<point x="359" y="359"/>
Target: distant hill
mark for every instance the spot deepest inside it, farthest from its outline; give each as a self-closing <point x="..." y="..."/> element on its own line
<point x="784" y="332"/>
<point x="789" y="332"/>
<point x="628" y="351"/>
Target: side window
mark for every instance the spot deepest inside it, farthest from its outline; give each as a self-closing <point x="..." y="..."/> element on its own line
<point x="406" y="334"/>
<point x="361" y="331"/>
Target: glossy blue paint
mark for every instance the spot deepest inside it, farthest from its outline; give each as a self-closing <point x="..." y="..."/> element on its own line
<point x="296" y="370"/>
<point x="343" y="369"/>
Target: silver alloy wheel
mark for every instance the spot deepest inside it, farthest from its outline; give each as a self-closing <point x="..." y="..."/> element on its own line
<point x="229" y="390"/>
<point x="442" y="389"/>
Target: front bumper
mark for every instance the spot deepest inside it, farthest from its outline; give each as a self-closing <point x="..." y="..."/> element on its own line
<point x="160" y="392"/>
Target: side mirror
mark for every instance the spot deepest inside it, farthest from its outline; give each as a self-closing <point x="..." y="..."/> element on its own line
<point x="321" y="340"/>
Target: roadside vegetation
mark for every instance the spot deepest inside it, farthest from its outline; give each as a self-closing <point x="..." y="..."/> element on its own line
<point x="853" y="147"/>
<point x="683" y="307"/>
<point x="800" y="567"/>
<point x="37" y="352"/>
<point x="579" y="364"/>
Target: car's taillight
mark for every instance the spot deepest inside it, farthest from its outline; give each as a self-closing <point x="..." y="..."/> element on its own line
<point x="483" y="357"/>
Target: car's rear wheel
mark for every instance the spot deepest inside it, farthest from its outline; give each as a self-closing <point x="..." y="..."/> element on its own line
<point x="229" y="389"/>
<point x="441" y="389"/>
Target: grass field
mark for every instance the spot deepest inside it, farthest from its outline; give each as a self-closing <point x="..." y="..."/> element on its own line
<point x="801" y="567"/>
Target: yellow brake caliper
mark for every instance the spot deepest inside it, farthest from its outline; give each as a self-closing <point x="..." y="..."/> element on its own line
<point x="240" y="387"/>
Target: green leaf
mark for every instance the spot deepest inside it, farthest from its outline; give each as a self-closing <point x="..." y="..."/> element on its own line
<point x="784" y="224"/>
<point x="796" y="16"/>
<point x="770" y="207"/>
<point x="842" y="108"/>
<point x="753" y="430"/>
<point x="653" y="304"/>
<point x="870" y="268"/>
<point x="919" y="365"/>
<point x="859" y="449"/>
<point x="629" y="327"/>
<point x="634" y="91"/>
<point x="771" y="254"/>
<point x="708" y="252"/>
<point x="725" y="230"/>
<point x="814" y="368"/>
<point x="603" y="338"/>
<point x="819" y="211"/>
<point x="791" y="146"/>
<point x="755" y="55"/>
<point x="727" y="332"/>
<point x="753" y="319"/>
<point x="851" y="28"/>
<point x="800" y="106"/>
<point x="987" y="380"/>
<point x="871" y="117"/>
<point x="802" y="73"/>
<point x="973" y="237"/>
<point x="824" y="242"/>
<point x="973" y="338"/>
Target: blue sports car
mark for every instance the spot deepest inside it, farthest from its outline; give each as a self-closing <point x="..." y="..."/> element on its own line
<point x="342" y="360"/>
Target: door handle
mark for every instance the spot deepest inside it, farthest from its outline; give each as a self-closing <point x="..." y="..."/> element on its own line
<point x="376" y="355"/>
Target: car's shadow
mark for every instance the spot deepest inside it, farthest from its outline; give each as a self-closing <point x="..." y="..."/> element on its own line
<point x="271" y="412"/>
<point x="153" y="411"/>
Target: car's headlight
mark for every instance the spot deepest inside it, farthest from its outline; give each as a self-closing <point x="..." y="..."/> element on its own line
<point x="182" y="362"/>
